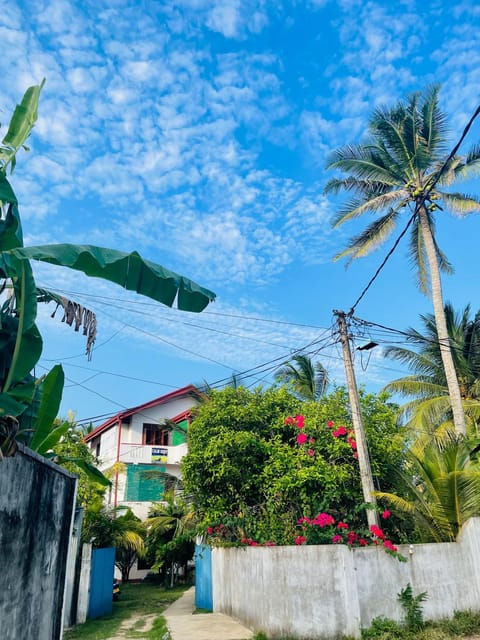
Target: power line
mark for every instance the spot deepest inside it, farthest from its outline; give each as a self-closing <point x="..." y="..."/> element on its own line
<point x="203" y="313"/>
<point x="383" y="263"/>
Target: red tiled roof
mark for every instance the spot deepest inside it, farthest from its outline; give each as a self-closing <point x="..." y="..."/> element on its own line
<point x="179" y="393"/>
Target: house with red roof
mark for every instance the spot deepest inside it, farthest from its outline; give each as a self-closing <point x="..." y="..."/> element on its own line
<point x="149" y="442"/>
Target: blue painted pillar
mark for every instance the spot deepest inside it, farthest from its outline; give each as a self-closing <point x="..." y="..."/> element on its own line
<point x="203" y="577"/>
<point x="101" y="582"/>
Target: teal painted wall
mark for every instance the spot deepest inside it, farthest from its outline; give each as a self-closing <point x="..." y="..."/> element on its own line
<point x="179" y="438"/>
<point x="143" y="483"/>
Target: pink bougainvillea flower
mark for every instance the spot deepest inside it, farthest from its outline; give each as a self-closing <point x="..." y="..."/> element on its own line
<point x="341" y="431"/>
<point x="355" y="455"/>
<point x="353" y="444"/>
<point x="377" y="532"/>
<point x="210" y="530"/>
<point x="352" y="536"/>
<point x="386" y="514"/>
<point x="300" y="540"/>
<point x="363" y="543"/>
<point x="301" y="438"/>
<point x="330" y="424"/>
<point x="304" y="520"/>
<point x="311" y="440"/>
<point x="269" y="543"/>
<point x="311" y="452"/>
<point x="300" y="420"/>
<point x="342" y="525"/>
<point x="336" y="538"/>
<point x="323" y="520"/>
<point x="388" y="544"/>
<point x="289" y="420"/>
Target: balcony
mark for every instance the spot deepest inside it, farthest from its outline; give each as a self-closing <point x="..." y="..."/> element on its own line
<point x="151" y="454"/>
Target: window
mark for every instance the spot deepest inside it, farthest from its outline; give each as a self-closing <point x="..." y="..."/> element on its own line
<point x="155" y="434"/>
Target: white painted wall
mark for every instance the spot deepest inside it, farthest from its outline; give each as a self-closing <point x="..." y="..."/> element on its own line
<point x="155" y="415"/>
<point x="322" y="591"/>
<point x="108" y="447"/>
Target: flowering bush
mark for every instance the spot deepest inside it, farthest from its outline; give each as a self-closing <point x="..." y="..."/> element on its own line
<point x="303" y="439"/>
<point x="341" y="533"/>
<point x="322" y="528"/>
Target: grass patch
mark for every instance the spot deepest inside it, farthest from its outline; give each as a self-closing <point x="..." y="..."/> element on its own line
<point x="159" y="631"/>
<point x="200" y="610"/>
<point x="463" y="623"/>
<point x="135" y="599"/>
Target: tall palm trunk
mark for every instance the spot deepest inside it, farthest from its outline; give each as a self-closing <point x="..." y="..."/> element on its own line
<point x="440" y="321"/>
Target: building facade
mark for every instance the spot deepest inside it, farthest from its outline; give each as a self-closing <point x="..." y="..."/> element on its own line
<point x="143" y="447"/>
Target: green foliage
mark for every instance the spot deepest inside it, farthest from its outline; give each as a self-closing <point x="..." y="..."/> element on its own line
<point x="170" y="535"/>
<point x="104" y="527"/>
<point x="75" y="455"/>
<point x="382" y="629"/>
<point x="429" y="407"/>
<point x="412" y="607"/>
<point x="136" y="601"/>
<point x="393" y="169"/>
<point x="307" y="381"/>
<point x="245" y="470"/>
<point x="463" y="623"/>
<point x="440" y="486"/>
<point x="401" y="171"/>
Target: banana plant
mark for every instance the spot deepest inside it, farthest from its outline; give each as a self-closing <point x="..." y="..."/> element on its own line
<point x="29" y="406"/>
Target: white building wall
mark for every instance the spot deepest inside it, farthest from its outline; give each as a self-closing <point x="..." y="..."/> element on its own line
<point x="313" y="592"/>
<point x="108" y="447"/>
<point x="156" y="415"/>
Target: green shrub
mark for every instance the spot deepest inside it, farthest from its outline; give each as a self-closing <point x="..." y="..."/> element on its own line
<point x="463" y="623"/>
<point x="382" y="629"/>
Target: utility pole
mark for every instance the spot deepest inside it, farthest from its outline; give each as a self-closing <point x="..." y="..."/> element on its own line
<point x="366" y="477"/>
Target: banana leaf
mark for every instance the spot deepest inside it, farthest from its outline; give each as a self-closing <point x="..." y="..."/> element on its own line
<point x="93" y="473"/>
<point x="129" y="270"/>
<point x="51" y="388"/>
<point x="21" y="124"/>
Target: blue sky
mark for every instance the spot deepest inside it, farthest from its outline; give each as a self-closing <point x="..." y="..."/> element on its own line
<point x="197" y="132"/>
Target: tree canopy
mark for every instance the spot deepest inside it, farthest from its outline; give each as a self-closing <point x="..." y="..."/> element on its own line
<point x="246" y="466"/>
<point x="429" y="407"/>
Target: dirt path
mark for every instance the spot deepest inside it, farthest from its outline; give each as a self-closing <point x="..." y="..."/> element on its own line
<point x="137" y="622"/>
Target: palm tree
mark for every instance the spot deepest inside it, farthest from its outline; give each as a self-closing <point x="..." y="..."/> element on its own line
<point x="441" y="480"/>
<point x="402" y="166"/>
<point x="308" y="381"/>
<point x="427" y="385"/>
<point x="103" y="527"/>
<point x="171" y="532"/>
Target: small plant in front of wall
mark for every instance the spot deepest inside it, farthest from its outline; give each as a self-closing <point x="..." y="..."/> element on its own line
<point x="412" y="607"/>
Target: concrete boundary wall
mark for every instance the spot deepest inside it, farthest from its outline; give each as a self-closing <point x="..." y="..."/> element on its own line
<point x="325" y="591"/>
<point x="37" y="501"/>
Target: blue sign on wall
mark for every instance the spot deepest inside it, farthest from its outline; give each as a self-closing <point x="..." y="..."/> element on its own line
<point x="101" y="582"/>
<point x="203" y="578"/>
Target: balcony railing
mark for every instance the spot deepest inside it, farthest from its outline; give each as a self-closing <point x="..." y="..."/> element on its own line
<point x="151" y="454"/>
